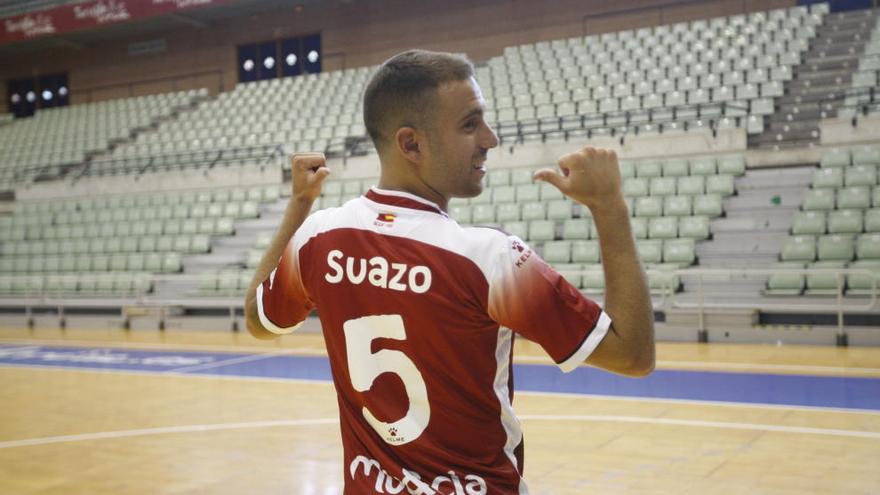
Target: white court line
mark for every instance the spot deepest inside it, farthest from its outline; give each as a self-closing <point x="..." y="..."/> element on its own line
<point x="709" y="424"/>
<point x="226" y="362"/>
<point x="314" y="351"/>
<point x="168" y="429"/>
<point x="309" y="381"/>
<point x="333" y="421"/>
<point x="697" y="365"/>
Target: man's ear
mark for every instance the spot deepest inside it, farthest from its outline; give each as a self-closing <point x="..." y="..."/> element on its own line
<point x="409" y="144"/>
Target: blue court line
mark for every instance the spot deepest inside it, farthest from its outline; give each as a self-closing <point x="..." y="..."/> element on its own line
<point x="752" y="388"/>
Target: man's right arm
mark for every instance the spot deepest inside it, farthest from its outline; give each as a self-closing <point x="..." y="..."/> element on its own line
<point x="592" y="177"/>
<point x="308" y="173"/>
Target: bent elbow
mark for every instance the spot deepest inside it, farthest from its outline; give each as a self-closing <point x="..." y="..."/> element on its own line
<point x="641" y="364"/>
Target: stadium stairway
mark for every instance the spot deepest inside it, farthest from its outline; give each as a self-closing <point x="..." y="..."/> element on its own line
<point x="817" y="89"/>
<point x="750" y="235"/>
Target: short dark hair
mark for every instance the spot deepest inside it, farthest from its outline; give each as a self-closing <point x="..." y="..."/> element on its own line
<point x="402" y="91"/>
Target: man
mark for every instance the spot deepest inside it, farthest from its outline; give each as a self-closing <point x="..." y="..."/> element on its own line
<point x="418" y="312"/>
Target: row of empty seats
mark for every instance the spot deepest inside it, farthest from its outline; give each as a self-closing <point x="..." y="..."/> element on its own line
<point x="108" y="284"/>
<point x="66" y="135"/>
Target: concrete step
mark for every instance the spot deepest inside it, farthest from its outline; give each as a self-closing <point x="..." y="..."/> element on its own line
<point x="792" y="177"/>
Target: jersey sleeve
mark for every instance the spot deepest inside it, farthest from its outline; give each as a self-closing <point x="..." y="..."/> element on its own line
<point x="282" y="301"/>
<point x="532" y="299"/>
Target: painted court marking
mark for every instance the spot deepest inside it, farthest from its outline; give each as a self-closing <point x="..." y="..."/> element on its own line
<point x="334" y="421"/>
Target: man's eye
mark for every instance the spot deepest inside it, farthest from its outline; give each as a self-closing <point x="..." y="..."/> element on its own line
<point x="471" y="125"/>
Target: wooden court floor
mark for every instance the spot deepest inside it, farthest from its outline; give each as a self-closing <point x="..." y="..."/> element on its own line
<point x="77" y="431"/>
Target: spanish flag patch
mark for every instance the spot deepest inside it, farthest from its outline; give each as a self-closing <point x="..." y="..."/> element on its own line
<point x="386" y="217"/>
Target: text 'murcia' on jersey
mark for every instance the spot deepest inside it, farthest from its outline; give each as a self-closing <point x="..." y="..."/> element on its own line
<point x="418" y="314"/>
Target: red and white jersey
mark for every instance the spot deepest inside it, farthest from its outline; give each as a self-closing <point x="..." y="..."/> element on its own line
<point x="418" y="314"/>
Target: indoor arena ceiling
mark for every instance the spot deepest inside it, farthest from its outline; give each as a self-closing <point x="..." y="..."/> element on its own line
<point x="196" y="18"/>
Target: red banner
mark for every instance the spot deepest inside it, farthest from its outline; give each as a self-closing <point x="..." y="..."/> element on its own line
<point x="88" y="15"/>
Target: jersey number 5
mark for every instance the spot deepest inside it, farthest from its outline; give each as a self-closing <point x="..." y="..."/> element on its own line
<point x="364" y="366"/>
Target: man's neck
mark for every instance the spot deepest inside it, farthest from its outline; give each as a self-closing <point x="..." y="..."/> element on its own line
<point x="416" y="188"/>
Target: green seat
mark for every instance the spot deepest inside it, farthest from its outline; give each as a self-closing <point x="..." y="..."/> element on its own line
<point x="827" y="178"/>
<point x="227" y="283"/>
<point x="518" y="229"/>
<point x="861" y="175"/>
<point x="639" y="226"/>
<point x="559" y="209"/>
<point x="100" y="262"/>
<point x="854" y="197"/>
<point x="147" y="244"/>
<point x="663" y="228"/>
<point x="627" y="169"/>
<point x="200" y="243"/>
<point x="681" y="252"/>
<point x="799" y="248"/>
<point x="549" y="192"/>
<point x="230" y="210"/>
<point x="808" y="223"/>
<point x="662" y="186"/>
<point x="703" y="166"/>
<point x="171" y="263"/>
<point x="733" y="165"/>
<point x="824" y="283"/>
<point x="224" y="226"/>
<point x="649" y="168"/>
<point x="858" y="283"/>
<point x="634" y="188"/>
<point x="872" y="220"/>
<point x="649" y="206"/>
<point x="720" y="184"/>
<point x="329" y="188"/>
<point x="83" y="263"/>
<point x="528" y="193"/>
<point x="585" y="251"/>
<point x="650" y="250"/>
<point x="542" y="230"/>
<point x="215" y="210"/>
<point x="576" y="228"/>
<point x="836" y="247"/>
<point x="118" y="262"/>
<point x="663" y="280"/>
<point x="165" y="243"/>
<point x="87" y="282"/>
<point x="709" y="205"/>
<point x="135" y="262"/>
<point x="835" y="157"/>
<point x="502" y="194"/>
<point x="499" y="177"/>
<point x="483" y="214"/>
<point x="789" y="281"/>
<point x="675" y="167"/>
<point x="866" y="155"/>
<point x="818" y="199"/>
<point x="255" y="194"/>
<point x="112" y="245"/>
<point x="520" y="176"/>
<point x="557" y="251"/>
<point x="205" y="226"/>
<point x="868" y="246"/>
<point x="677" y="206"/>
<point x="691" y="186"/>
<point x="845" y="222"/>
<point x="593" y="279"/>
<point x="534" y="211"/>
<point x="508" y="212"/>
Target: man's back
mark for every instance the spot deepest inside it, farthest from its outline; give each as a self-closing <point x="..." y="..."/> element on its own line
<point x="411" y="306"/>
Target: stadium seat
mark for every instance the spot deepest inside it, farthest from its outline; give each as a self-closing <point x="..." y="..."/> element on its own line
<point x="819" y="199"/>
<point x="557" y="251"/>
<point x="854" y="197"/>
<point x="576" y="228"/>
<point x="845" y="222"/>
<point x="650" y="250"/>
<point x="824" y="283"/>
<point x="836" y="247"/>
<point x="585" y="251"/>
<point x="789" y="281"/>
<point x="828" y="178"/>
<point x="799" y="248"/>
<point x="808" y="223"/>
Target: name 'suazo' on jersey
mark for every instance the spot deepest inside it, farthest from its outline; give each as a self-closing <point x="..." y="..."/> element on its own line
<point x="378" y="271"/>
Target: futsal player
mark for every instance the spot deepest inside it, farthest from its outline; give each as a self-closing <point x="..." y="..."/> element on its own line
<point x="419" y="312"/>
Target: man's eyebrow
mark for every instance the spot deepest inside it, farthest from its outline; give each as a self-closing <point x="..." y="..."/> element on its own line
<point x="478" y="111"/>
